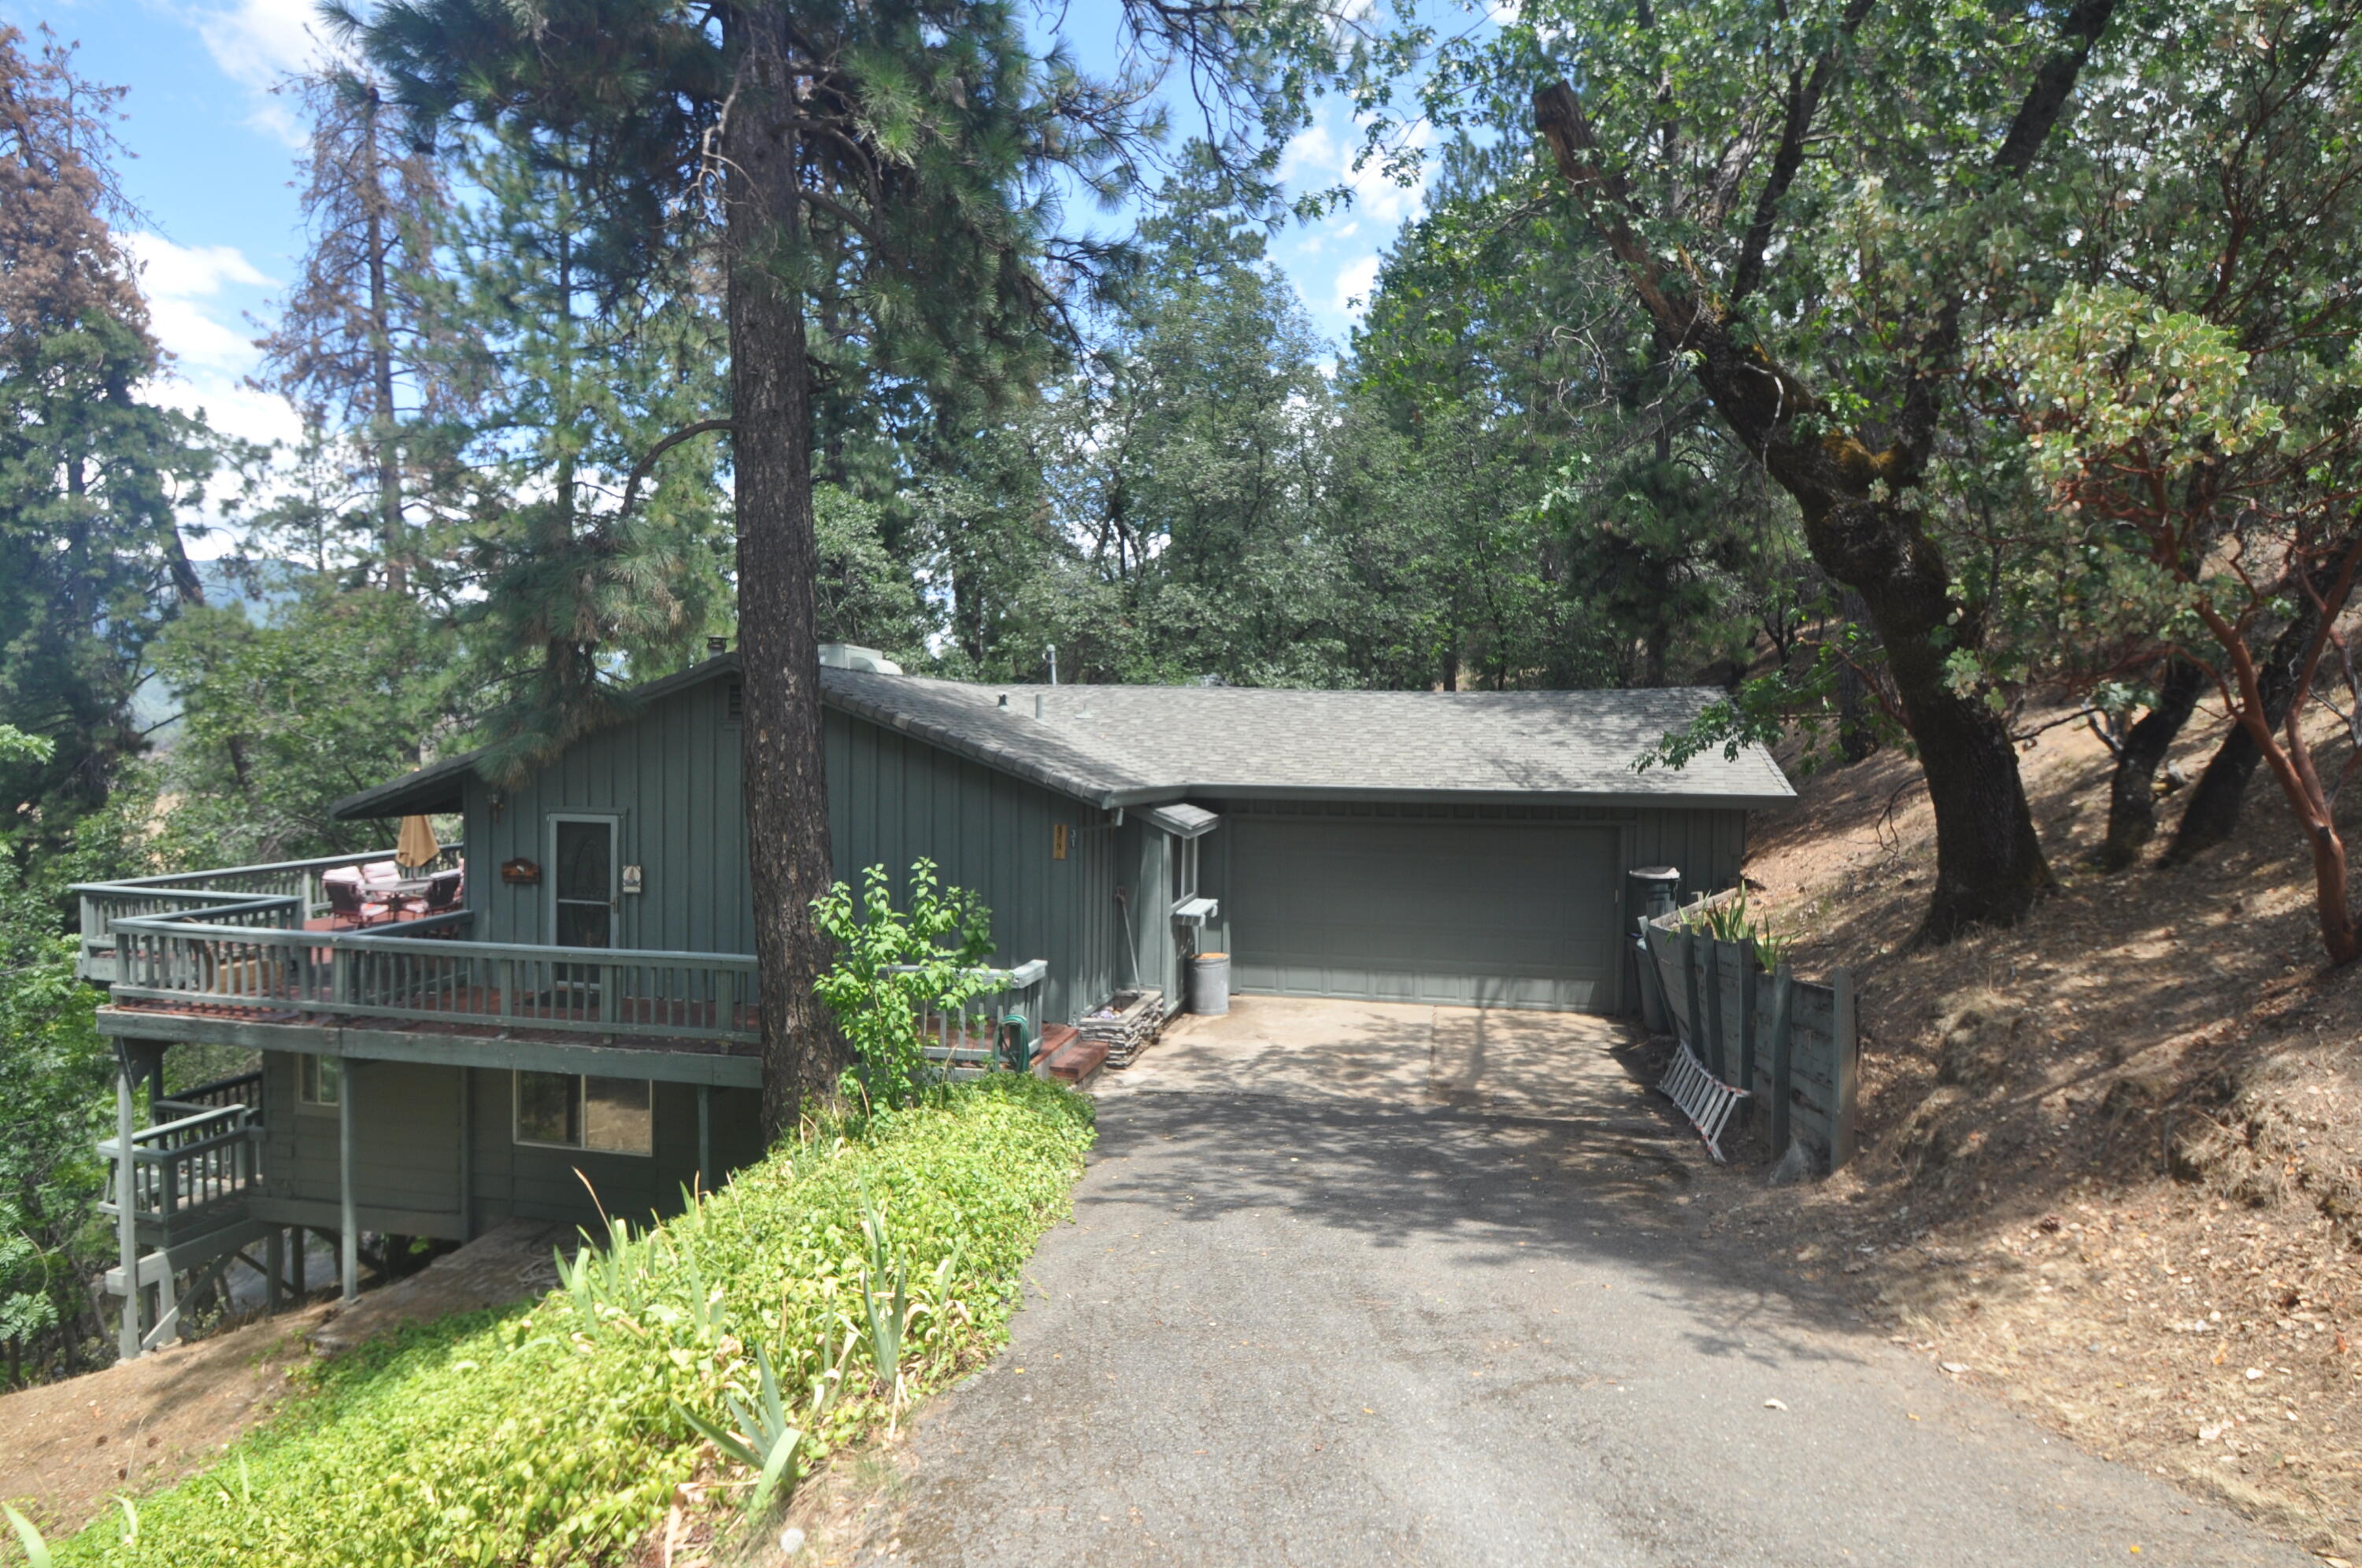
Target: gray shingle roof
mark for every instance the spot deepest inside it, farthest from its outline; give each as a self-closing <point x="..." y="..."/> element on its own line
<point x="1127" y="743"/>
<point x="1142" y="745"/>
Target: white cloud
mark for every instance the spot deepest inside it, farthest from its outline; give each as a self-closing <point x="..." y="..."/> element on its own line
<point x="196" y="296"/>
<point x="184" y="286"/>
<point x="1312" y="149"/>
<point x="1318" y="158"/>
<point x="1355" y="282"/>
<point x="258" y="43"/>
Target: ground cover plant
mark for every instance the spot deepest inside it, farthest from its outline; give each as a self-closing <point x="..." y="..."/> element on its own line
<point x="563" y="1432"/>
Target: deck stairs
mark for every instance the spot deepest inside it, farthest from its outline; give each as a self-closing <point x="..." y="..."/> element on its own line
<point x="187" y="1184"/>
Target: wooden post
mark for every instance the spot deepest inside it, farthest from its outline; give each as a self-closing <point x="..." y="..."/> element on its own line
<point x="466" y="1154"/>
<point x="1690" y="993"/>
<point x="704" y="1138"/>
<point x="1718" y="1063"/>
<point x="303" y="1240"/>
<point x="127" y="1219"/>
<point x="349" y="1240"/>
<point x="274" y="1269"/>
<point x="1784" y="1056"/>
<point x="1749" y="968"/>
<point x="168" y="1301"/>
<point x="1846" y="1048"/>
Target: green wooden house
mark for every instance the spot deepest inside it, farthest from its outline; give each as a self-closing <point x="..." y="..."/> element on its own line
<point x="576" y="1034"/>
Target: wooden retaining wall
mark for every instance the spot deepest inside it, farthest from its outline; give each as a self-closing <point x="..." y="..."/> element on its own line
<point x="1791" y="1042"/>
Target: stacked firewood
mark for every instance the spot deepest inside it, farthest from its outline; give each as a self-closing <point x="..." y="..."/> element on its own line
<point x="1126" y="1023"/>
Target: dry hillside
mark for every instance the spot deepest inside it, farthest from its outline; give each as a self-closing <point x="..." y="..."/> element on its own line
<point x="2112" y="1160"/>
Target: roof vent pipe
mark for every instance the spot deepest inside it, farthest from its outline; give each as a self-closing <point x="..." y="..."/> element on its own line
<point x="1037" y="704"/>
<point x="1053" y="648"/>
<point x="1004" y="701"/>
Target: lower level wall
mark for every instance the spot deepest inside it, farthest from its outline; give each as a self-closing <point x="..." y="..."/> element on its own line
<point x="412" y="1123"/>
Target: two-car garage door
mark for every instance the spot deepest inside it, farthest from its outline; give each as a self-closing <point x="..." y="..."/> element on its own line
<point x="1501" y="914"/>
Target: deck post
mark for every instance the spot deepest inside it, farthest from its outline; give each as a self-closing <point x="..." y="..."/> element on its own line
<point x="349" y="1240"/>
<point x="275" y="1267"/>
<point x="168" y="1302"/>
<point x="303" y="1240"/>
<point x="466" y="1154"/>
<point x="704" y="1139"/>
<point x="127" y="1219"/>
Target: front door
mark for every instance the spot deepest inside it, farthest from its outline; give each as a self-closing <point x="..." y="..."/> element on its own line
<point x="583" y="896"/>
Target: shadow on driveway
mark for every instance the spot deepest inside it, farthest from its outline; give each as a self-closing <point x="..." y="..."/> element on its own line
<point x="1332" y="1296"/>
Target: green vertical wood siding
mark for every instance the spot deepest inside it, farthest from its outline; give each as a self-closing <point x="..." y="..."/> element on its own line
<point x="893" y="800"/>
<point x="670" y="776"/>
<point x="407" y="1150"/>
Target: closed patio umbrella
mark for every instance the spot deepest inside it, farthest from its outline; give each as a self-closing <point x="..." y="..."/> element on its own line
<point x="416" y="846"/>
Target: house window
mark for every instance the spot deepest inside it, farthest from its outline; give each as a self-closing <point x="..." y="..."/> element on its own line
<point x="319" y="1080"/>
<point x="572" y="1110"/>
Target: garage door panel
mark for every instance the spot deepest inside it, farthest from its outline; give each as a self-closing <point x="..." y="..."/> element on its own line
<point x="1507" y="915"/>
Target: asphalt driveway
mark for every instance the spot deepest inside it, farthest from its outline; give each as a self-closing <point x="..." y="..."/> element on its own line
<point x="1353" y="1283"/>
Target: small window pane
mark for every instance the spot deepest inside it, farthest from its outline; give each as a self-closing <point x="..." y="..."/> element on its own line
<point x="616" y="1117"/>
<point x="585" y="861"/>
<point x="549" y="1108"/>
<point x="322" y="1078"/>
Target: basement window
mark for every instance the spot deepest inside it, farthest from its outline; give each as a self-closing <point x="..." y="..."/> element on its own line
<point x="319" y="1080"/>
<point x="575" y="1110"/>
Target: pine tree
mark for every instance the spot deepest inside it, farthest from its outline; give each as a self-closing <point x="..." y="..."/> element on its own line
<point x="591" y="575"/>
<point x="358" y="346"/>
<point x="91" y="475"/>
<point x="898" y="161"/>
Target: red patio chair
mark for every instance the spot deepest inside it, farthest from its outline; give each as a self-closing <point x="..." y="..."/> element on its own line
<point x="347" y="907"/>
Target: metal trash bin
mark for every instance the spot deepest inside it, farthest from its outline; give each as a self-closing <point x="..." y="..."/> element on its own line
<point x="1649" y="891"/>
<point x="1210" y="983"/>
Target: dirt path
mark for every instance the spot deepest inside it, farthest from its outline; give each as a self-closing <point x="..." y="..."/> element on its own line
<point x="67" y="1448"/>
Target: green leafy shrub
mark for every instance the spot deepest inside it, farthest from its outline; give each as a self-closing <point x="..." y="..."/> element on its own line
<point x="557" y="1433"/>
<point x="893" y="968"/>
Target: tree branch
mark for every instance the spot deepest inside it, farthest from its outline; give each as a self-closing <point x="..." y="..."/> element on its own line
<point x="1805" y="95"/>
<point x="648" y="460"/>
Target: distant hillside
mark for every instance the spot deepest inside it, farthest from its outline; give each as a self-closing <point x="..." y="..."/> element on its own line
<point x="157" y="705"/>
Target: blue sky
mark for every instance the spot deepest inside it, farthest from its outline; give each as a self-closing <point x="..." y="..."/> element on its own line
<point x="213" y="166"/>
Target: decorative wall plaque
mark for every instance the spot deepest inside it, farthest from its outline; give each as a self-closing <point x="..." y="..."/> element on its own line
<point x="520" y="872"/>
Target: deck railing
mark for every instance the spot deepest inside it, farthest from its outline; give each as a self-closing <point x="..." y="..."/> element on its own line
<point x="411" y="973"/>
<point x="245" y="1089"/>
<point x="184" y="1165"/>
<point x="966" y="1040"/>
<point x="235" y="895"/>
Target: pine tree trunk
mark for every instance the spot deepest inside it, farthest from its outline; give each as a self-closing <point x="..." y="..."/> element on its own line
<point x="784" y="772"/>
<point x="2132" y="788"/>
<point x="384" y="450"/>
